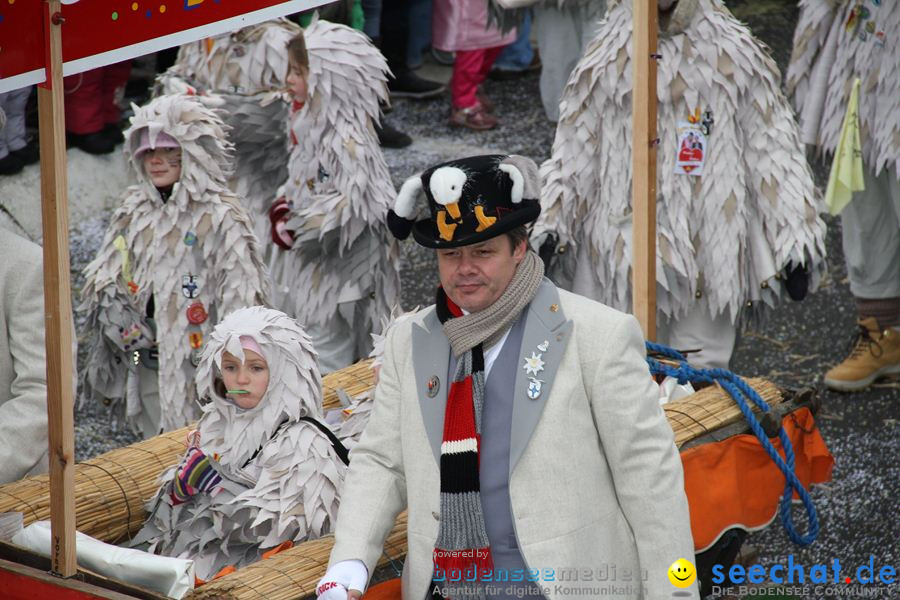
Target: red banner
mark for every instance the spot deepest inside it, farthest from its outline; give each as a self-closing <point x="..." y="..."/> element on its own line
<point x="102" y="32"/>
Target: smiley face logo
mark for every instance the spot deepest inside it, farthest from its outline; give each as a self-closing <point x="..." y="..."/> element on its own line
<point x="682" y="573"/>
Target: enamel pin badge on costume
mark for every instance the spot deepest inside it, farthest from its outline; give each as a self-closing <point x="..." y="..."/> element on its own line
<point x="691" y="146"/>
<point x="196" y="313"/>
<point x="534" y="365"/>
<point x="534" y="388"/>
<point x="432" y="386"/>
<point x="190" y="286"/>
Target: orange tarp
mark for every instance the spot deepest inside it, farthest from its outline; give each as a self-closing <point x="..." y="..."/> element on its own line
<point x="389" y="590"/>
<point x="734" y="483"/>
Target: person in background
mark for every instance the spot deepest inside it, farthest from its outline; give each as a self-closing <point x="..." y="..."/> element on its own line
<point x="738" y="230"/>
<point x="519" y="57"/>
<point x="15" y="151"/>
<point x="92" y="109"/>
<point x="835" y="43"/>
<point x="563" y="29"/>
<point x="338" y="273"/>
<point x="461" y="26"/>
<point x="178" y="254"/>
<point x="23" y="372"/>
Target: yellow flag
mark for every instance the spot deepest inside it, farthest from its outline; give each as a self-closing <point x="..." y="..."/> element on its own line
<point x="847" y="169"/>
<point x="120" y="245"/>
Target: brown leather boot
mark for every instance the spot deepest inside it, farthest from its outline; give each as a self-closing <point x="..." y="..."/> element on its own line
<point x="875" y="353"/>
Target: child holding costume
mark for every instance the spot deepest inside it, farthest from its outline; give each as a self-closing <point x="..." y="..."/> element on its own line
<point x="261" y="469"/>
<point x="342" y="264"/>
<point x="178" y="253"/>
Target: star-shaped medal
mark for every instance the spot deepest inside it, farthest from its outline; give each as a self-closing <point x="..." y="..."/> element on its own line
<point x="534" y="365"/>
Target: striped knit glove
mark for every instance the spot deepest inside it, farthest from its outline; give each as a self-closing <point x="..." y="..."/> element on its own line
<point x="194" y="475"/>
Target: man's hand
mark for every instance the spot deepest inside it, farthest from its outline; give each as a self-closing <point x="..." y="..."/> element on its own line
<point x="343" y="581"/>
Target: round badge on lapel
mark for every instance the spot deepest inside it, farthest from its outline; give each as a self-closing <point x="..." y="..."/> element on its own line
<point x="190" y="238"/>
<point x="432" y="386"/>
<point x="196" y="313"/>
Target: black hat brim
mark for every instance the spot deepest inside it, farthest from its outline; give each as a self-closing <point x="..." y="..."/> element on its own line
<point x="426" y="233"/>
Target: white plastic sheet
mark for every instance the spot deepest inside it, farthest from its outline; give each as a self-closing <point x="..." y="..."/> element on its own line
<point x="670" y="390"/>
<point x="173" y="577"/>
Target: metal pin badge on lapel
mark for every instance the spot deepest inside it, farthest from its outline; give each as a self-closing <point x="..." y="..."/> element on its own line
<point x="534" y="388"/>
<point x="432" y="386"/>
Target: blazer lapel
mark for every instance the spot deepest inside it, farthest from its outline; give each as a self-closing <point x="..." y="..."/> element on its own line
<point x="431" y="358"/>
<point x="547" y="332"/>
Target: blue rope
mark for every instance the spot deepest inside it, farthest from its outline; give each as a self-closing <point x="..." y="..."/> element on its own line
<point x="740" y="391"/>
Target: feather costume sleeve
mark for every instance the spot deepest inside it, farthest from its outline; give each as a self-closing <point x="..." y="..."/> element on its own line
<point x="782" y="197"/>
<point x="574" y="173"/>
<point x="242" y="276"/>
<point x="813" y="27"/>
<point x="111" y="310"/>
<point x="340" y="186"/>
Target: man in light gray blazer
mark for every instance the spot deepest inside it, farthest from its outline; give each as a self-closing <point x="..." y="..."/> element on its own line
<point x="23" y="379"/>
<point x="517" y="423"/>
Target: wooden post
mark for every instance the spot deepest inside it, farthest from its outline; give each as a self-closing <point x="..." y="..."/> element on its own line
<point x="643" y="166"/>
<point x="57" y="298"/>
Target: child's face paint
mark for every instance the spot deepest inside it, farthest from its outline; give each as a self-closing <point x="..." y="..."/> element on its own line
<point x="296" y="81"/>
<point x="162" y="165"/>
<point x="251" y="376"/>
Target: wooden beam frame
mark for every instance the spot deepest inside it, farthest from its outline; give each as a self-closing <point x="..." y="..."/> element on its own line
<point x="643" y="166"/>
<point x="57" y="298"/>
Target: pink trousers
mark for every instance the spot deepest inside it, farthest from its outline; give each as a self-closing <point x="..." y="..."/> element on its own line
<point x="469" y="71"/>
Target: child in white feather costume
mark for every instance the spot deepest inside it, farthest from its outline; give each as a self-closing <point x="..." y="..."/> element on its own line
<point x="341" y="274"/>
<point x="252" y="477"/>
<point x="173" y="259"/>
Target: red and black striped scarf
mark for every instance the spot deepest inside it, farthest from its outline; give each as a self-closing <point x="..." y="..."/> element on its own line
<point x="462" y="541"/>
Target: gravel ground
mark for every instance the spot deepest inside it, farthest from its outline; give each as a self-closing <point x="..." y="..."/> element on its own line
<point x="858" y="509"/>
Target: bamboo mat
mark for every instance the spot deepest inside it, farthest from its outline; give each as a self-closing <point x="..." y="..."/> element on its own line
<point x="292" y="574"/>
<point x="712" y="408"/>
<point x="112" y="488"/>
<point x="355" y="379"/>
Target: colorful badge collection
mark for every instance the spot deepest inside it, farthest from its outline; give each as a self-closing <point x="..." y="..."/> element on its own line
<point x="533" y="366"/>
<point x="861" y="22"/>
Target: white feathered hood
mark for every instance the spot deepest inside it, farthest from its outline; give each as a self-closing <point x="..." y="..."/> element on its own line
<point x="205" y="151"/>
<point x="295" y="385"/>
